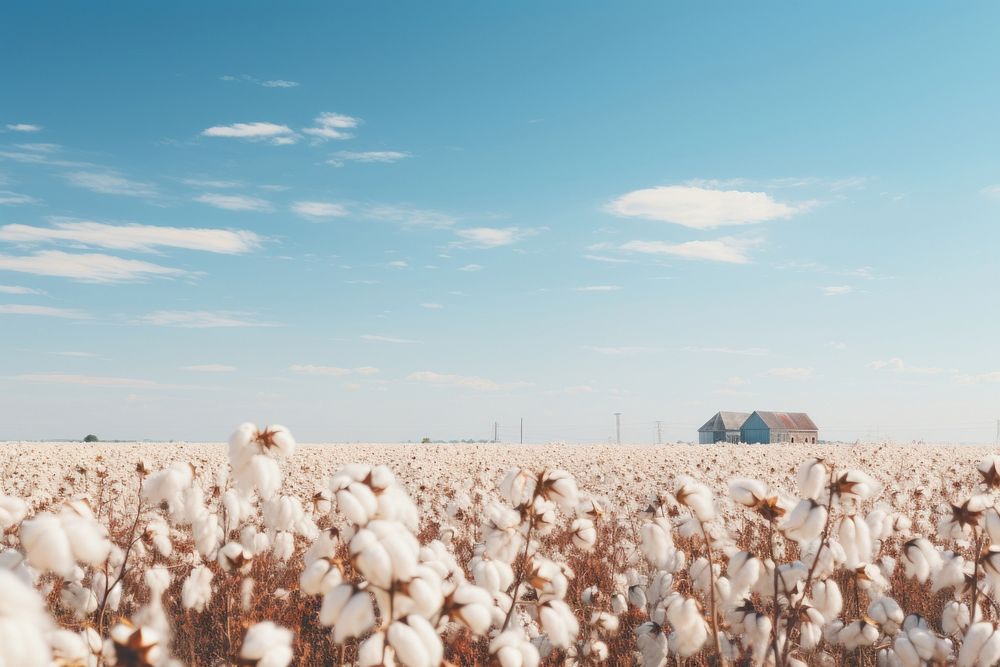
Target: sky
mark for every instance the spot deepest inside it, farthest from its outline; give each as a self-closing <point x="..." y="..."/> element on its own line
<point x="389" y="221"/>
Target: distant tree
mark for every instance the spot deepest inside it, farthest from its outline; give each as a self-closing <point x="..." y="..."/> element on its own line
<point x="424" y="441"/>
<point x="91" y="438"/>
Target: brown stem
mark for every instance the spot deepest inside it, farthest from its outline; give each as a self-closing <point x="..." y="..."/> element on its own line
<point x="711" y="595"/>
<point x="523" y="570"/>
<point x="975" y="573"/>
<point x="776" y="610"/>
<point x="121" y="575"/>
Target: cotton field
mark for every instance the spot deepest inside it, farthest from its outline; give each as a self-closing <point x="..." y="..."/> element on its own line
<point x="268" y="553"/>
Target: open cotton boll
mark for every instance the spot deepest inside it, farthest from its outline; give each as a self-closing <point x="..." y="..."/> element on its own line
<point x="518" y="487"/>
<point x="46" y="545"/>
<point x="559" y="623"/>
<point x="748" y="492"/>
<point x="472" y="606"/>
<point x="235" y="558"/>
<point x="500" y="529"/>
<point x="158" y="535"/>
<point x="70" y="648"/>
<point x="78" y="600"/>
<point x="492" y="575"/>
<point x="805" y="522"/>
<point x="267" y="645"/>
<point x="811" y="478"/>
<point x="374" y="652"/>
<point x="167" y="487"/>
<point x="512" y="649"/>
<point x="657" y="543"/>
<point x="605" y="622"/>
<point x="559" y="487"/>
<point x="320" y="577"/>
<point x="856" y="485"/>
<point x="197" y="589"/>
<point x="584" y="534"/>
<point x="954" y="570"/>
<point x="207" y="534"/>
<point x="415" y="642"/>
<point x="695" y="496"/>
<point x="887" y="613"/>
<point x="138" y="646"/>
<point x="284" y="546"/>
<point x="690" y="629"/>
<point x="23" y="624"/>
<point x="920" y="559"/>
<point x="12" y="512"/>
<point x="652" y="644"/>
<point x="282" y="513"/>
<point x="855" y="538"/>
<point x="348" y="610"/>
<point x="979" y="646"/>
<point x="827" y="598"/>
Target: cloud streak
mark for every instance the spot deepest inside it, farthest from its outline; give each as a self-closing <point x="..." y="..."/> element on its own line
<point x="89" y="268"/>
<point x="133" y="237"/>
<point x="726" y="250"/>
<point x="702" y="208"/>
<point x="200" y="319"/>
<point x="44" y="311"/>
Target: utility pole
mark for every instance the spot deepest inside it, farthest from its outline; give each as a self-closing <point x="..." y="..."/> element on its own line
<point x="496" y="431"/>
<point x="659" y="432"/>
<point x="618" y="428"/>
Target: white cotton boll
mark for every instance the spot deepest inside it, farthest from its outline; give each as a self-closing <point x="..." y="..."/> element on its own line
<point x="158" y="534"/>
<point x="973" y="643"/>
<point x="166" y="487"/>
<point x="518" y="487"/>
<point x="473" y="607"/>
<point x="356" y="508"/>
<point x="548" y="578"/>
<point x="880" y="522"/>
<point x="584" y="534"/>
<point x="23" y="624"/>
<point x="701" y="575"/>
<point x="637" y="597"/>
<point x="79" y="600"/>
<point x="951" y="573"/>
<point x="284" y="546"/>
<point x="197" y="589"/>
<point x="954" y="617"/>
<point x="811" y="628"/>
<point x="502" y="538"/>
<point x="512" y="649"/>
<point x="805" y="522"/>
<point x="157" y="579"/>
<point x="267" y="645"/>
<point x="920" y="559"/>
<point x="652" y="645"/>
<point x="235" y="557"/>
<point x="855" y="537"/>
<point x="605" y="622"/>
<point x="743" y="571"/>
<point x="236" y="507"/>
<point x="887" y="613"/>
<point x="348" y="610"/>
<point x="757" y="631"/>
<point x="748" y="492"/>
<point x="46" y="546"/>
<point x="282" y="513"/>
<point x="657" y="544"/>
<point x="827" y="598"/>
<point x="559" y="623"/>
<point x="857" y="634"/>
<point x="70" y="648"/>
<point x="246" y="593"/>
<point x="320" y="577"/>
<point x="619" y="605"/>
<point x="697" y="497"/>
<point x="596" y="650"/>
<point x="992" y="525"/>
<point x="194" y="503"/>
<point x="690" y="629"/>
<point x="12" y="512"/>
<point x="415" y="642"/>
<point x="811" y="477"/>
<point x="395" y="505"/>
<point x="559" y="487"/>
<point x="207" y="535"/>
<point x="374" y="652"/>
<point x="264" y="476"/>
<point x="492" y="575"/>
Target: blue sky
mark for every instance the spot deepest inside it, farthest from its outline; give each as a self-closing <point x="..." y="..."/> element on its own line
<point x="388" y="221"/>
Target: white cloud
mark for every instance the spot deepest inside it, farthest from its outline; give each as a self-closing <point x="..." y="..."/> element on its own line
<point x="279" y="83"/>
<point x="211" y="183"/>
<point x="981" y="378"/>
<point x="82" y="355"/>
<point x="385" y="339"/>
<point x="134" y="237"/>
<point x="17" y="289"/>
<point x="410" y="216"/>
<point x="701" y="208"/>
<point x="398" y="264"/>
<point x="235" y="202"/>
<point x="209" y="368"/>
<point x="729" y="250"/>
<point x="272" y="132"/>
<point x="39" y="148"/>
<point x="598" y="288"/>
<point x="619" y="350"/>
<point x="93" y="268"/>
<point x="492" y="237"/>
<point x="384" y="157"/>
<point x="471" y="267"/>
<point x="462" y="381"/>
<point x="331" y="126"/>
<point x="991" y="190"/>
<point x="24" y="127"/>
<point x="837" y="290"/>
<point x="334" y="371"/>
<point x="95" y="381"/>
<point x="746" y="351"/>
<point x="794" y="373"/>
<point x="45" y="311"/>
<point x="109" y="183"/>
<point x="319" y="209"/>
<point x="15" y="199"/>
<point x="609" y="260"/>
<point x="432" y="306"/>
<point x="199" y="319"/>
<point x="736" y="381"/>
<point x="899" y="366"/>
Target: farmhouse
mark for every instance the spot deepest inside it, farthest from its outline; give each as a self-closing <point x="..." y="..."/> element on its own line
<point x="723" y="427"/>
<point x="758" y="427"/>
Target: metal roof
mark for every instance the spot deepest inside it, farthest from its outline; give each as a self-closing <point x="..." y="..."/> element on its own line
<point x="790" y="421"/>
<point x="725" y="421"/>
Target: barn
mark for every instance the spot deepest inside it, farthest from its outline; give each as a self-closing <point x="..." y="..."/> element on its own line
<point x="723" y="427"/>
<point x="770" y="427"/>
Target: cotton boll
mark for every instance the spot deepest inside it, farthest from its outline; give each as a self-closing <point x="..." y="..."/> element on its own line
<point x="605" y="622"/>
<point x="197" y="589"/>
<point x="855" y="537"/>
<point x="267" y="645"/>
<point x="512" y="649"/>
<point x="264" y="476"/>
<point x="811" y="478"/>
<point x="46" y="545"/>
<point x="690" y="629"/>
<point x="247" y="587"/>
<point x="637" y="597"/>
<point x="652" y="645"/>
<point x="140" y="646"/>
<point x="472" y="606"/>
<point x="518" y="487"/>
<point x="952" y="572"/>
<point x="584" y="534"/>
<point x="158" y="535"/>
<point x="747" y="492"/>
<point x="70" y="648"/>
<point x="743" y="571"/>
<point x="12" y="512"/>
<point x="320" y="577"/>
<point x="695" y="496"/>
<point x="235" y="557"/>
<point x="657" y="544"/>
<point x="23" y="624"/>
<point x="559" y="623"/>
<point x="857" y="634"/>
<point x="374" y="652"/>
<point x="79" y="600"/>
<point x="973" y="643"/>
<point x="348" y="610"/>
<point x="559" y="487"/>
<point x="811" y="628"/>
<point x="207" y="535"/>
<point x="805" y="522"/>
<point x="167" y="487"/>
<point x="887" y="613"/>
<point x="827" y="598"/>
<point x="492" y="575"/>
<point x="856" y="485"/>
<point x="284" y="546"/>
<point x="415" y="642"/>
<point x="500" y="529"/>
<point x="920" y="559"/>
<point x="955" y="618"/>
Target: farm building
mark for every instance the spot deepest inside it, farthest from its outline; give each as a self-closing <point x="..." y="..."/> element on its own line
<point x="723" y="427"/>
<point x="768" y="427"/>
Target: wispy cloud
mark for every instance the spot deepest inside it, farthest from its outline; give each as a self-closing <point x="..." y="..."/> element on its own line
<point x="95" y="381"/>
<point x="980" y="378"/>
<point x="897" y="365"/>
<point x="266" y="83"/>
<point x="462" y="381"/>
<point x="330" y="125"/>
<point x="384" y="157"/>
<point x="728" y="250"/>
<point x="15" y="199"/>
<point x="409" y="216"/>
<point x="319" y="210"/>
<point x="279" y="135"/>
<point x="44" y="311"/>
<point x="991" y="190"/>
<point x="386" y="339"/>
<point x="793" y="373"/>
<point x="598" y="288"/>
<point x="747" y="351"/>
<point x="209" y="368"/>
<point x="200" y="319"/>
<point x="24" y="127"/>
<point x="432" y="306"/>
<point x="492" y="237"/>
<point x="609" y="260"/>
<point x="17" y="289"/>
<point x="133" y="237"/>
<point x="837" y="290"/>
<point x="110" y="183"/>
<point x="211" y="183"/>
<point x="235" y="202"/>
<point x="616" y="351"/>
<point x="702" y="208"/>
<point x="92" y="268"/>
<point x="334" y="371"/>
<point x="471" y="267"/>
